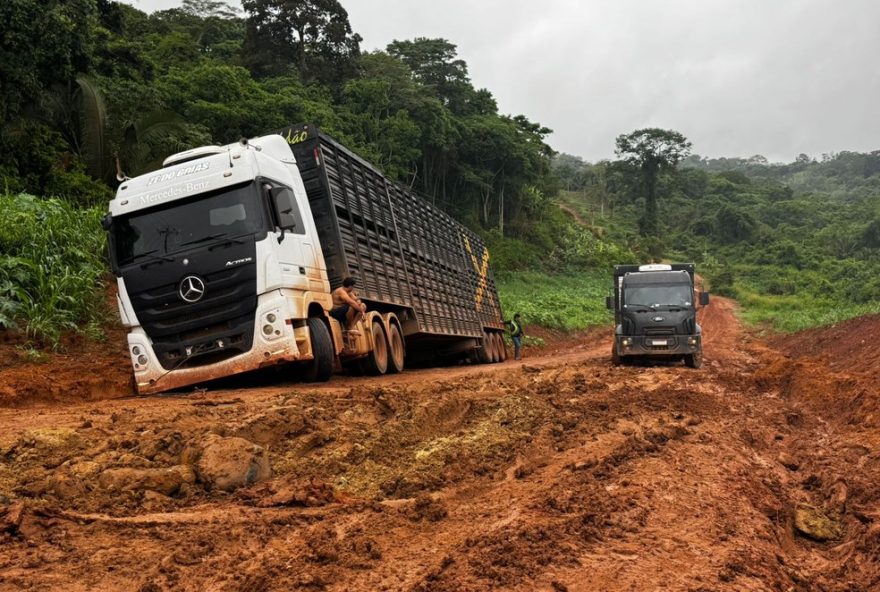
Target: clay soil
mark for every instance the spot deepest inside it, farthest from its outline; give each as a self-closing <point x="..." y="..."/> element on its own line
<point x="560" y="472"/>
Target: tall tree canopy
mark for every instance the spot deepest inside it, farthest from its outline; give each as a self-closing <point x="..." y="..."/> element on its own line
<point x="652" y="150"/>
<point x="312" y="37"/>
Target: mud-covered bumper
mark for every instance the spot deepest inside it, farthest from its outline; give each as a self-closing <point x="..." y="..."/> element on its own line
<point x="658" y="345"/>
<point x="275" y="341"/>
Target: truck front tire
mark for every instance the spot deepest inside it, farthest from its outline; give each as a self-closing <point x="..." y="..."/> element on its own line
<point x="615" y="357"/>
<point x="694" y="360"/>
<point x="320" y="367"/>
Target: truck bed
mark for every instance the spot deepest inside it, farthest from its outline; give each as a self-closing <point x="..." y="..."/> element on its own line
<point x="403" y="251"/>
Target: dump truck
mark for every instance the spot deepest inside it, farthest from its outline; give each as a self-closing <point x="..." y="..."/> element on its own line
<point x="655" y="313"/>
<point x="226" y="259"/>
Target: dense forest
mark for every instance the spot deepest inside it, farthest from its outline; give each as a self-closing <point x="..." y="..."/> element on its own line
<point x="798" y="243"/>
<point x="113" y="90"/>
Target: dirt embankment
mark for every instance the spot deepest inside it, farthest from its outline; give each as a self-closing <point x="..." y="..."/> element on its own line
<point x="757" y="472"/>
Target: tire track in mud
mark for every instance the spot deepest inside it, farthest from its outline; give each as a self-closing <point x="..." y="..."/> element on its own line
<point x="557" y="474"/>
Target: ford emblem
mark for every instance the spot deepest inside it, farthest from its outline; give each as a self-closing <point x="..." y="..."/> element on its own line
<point x="658" y="319"/>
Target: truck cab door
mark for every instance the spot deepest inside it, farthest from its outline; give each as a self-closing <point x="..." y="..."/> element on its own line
<point x="294" y="250"/>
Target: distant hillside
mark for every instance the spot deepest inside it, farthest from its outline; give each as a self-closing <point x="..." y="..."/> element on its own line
<point x="798" y="244"/>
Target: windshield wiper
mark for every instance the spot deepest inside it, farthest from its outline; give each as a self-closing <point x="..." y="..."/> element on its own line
<point x="203" y="239"/>
<point x="149" y="254"/>
<point x="226" y="243"/>
<point x="643" y="308"/>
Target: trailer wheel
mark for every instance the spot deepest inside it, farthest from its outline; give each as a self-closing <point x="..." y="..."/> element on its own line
<point x="320" y="367"/>
<point x="502" y="347"/>
<point x="694" y="360"/>
<point x="376" y="362"/>
<point x="395" y="345"/>
<point x="483" y="352"/>
<point x="494" y="352"/>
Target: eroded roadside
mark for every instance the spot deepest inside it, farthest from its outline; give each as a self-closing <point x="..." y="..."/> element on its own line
<point x="564" y="473"/>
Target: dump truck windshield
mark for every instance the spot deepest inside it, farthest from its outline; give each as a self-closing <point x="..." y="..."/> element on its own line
<point x="234" y="211"/>
<point x="654" y="295"/>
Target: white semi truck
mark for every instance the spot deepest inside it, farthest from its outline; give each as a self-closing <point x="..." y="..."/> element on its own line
<point x="226" y="258"/>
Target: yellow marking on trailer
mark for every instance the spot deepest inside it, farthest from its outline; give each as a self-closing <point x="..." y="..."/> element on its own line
<point x="482" y="269"/>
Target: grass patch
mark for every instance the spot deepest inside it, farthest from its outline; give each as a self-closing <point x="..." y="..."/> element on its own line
<point x="790" y="314"/>
<point x="51" y="267"/>
<point x="565" y="301"/>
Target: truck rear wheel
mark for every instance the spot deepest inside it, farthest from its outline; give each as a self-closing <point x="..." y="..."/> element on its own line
<point x="395" y="345"/>
<point x="320" y="367"/>
<point x="502" y="347"/>
<point x="376" y="362"/>
<point x="483" y="352"/>
<point x="694" y="360"/>
<point x="494" y="351"/>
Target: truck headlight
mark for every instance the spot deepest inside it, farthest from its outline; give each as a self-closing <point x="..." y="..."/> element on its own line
<point x="142" y="360"/>
<point x="267" y="329"/>
<point x="627" y="342"/>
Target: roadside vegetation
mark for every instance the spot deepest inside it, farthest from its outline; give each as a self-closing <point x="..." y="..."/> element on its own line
<point x="797" y="244"/>
<point x="52" y="268"/>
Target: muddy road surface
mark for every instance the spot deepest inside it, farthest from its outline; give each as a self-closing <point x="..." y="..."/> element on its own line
<point x="757" y="472"/>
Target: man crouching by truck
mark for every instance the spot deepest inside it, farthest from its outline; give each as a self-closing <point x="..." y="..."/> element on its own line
<point x="347" y="307"/>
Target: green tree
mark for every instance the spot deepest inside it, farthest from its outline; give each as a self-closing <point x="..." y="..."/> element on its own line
<point x="312" y="37"/>
<point x="45" y="44"/>
<point x="435" y="64"/>
<point x="653" y="151"/>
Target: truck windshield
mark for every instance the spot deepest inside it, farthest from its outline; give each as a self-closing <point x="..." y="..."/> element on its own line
<point x="234" y="211"/>
<point x="655" y="295"/>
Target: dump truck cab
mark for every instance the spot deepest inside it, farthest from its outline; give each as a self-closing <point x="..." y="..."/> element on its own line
<point x="655" y="313"/>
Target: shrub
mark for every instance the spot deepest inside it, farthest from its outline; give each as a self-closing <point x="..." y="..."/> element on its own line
<point x="51" y="266"/>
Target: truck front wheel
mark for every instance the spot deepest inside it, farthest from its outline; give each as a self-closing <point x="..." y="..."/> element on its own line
<point x="320" y="367"/>
<point x="694" y="360"/>
<point x="615" y="357"/>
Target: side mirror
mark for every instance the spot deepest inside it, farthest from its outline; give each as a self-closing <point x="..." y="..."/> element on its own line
<point x="704" y="298"/>
<point x="609" y="302"/>
<point x="107" y="222"/>
<point x="284" y="204"/>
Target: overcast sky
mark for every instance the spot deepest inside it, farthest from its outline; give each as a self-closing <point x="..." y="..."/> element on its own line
<point x="737" y="77"/>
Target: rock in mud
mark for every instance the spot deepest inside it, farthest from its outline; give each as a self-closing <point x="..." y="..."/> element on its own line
<point x="11" y="517"/>
<point x="788" y="461"/>
<point x="165" y="480"/>
<point x="229" y="463"/>
<point x="813" y="524"/>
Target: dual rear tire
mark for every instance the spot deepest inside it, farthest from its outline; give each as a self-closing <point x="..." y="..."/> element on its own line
<point x="491" y="349"/>
<point x="387" y="355"/>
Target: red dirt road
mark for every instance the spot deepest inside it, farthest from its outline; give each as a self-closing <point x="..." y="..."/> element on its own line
<point x="559" y="473"/>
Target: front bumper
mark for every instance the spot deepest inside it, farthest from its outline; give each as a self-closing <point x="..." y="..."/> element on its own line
<point x="658" y="345"/>
<point x="273" y="343"/>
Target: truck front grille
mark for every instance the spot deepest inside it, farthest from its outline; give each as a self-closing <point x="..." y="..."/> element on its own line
<point x="218" y="326"/>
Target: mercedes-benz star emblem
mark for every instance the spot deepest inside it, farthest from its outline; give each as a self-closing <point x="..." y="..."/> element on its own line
<point x="192" y="288"/>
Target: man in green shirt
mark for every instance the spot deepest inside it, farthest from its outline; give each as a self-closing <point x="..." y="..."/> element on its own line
<point x="516" y="335"/>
